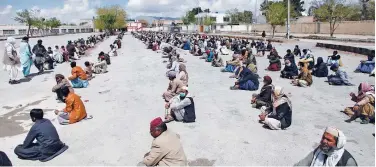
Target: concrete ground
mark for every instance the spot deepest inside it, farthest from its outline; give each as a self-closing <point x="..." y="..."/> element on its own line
<point x="227" y="132"/>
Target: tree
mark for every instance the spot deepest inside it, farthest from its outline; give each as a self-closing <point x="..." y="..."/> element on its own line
<point x="367" y="8"/>
<point x="297" y="5"/>
<point x="276" y="15"/>
<point x="52" y="23"/>
<point x="109" y="18"/>
<point x="234" y="16"/>
<point x="26" y="17"/>
<point x="144" y="23"/>
<point x="333" y="11"/>
<point x="206" y="11"/>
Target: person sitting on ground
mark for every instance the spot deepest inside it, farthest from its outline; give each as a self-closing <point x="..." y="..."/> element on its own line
<point x="181" y="107"/>
<point x="223" y="49"/>
<point x="174" y="68"/>
<point x="264" y="98"/>
<point x="217" y="61"/>
<point x="367" y="66"/>
<point x="364" y="104"/>
<point x="102" y="56"/>
<point x="269" y="46"/>
<point x="183" y="74"/>
<point x="100" y="67"/>
<point x="289" y="56"/>
<point x="4" y="160"/>
<point x="57" y="55"/>
<point x="290" y="71"/>
<point x="232" y="65"/>
<point x="60" y="83"/>
<point x="297" y="51"/>
<point x="113" y="51"/>
<point x="48" y="143"/>
<point x="250" y="62"/>
<point x="279" y="115"/>
<point x="320" y="69"/>
<point x="331" y="152"/>
<point x="210" y="56"/>
<point x="334" y="59"/>
<point x="79" y="77"/>
<point x="339" y="78"/>
<point x="186" y="45"/>
<point x="166" y="148"/>
<point x="274" y="61"/>
<point x="89" y="70"/>
<point x="304" y="79"/>
<point x="308" y="58"/>
<point x="174" y="87"/>
<point x="74" y="110"/>
<point x="246" y="80"/>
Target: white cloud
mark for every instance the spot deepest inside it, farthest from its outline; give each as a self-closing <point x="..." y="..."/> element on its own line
<point x="6" y="10"/>
<point x="71" y="12"/>
<point x="177" y="8"/>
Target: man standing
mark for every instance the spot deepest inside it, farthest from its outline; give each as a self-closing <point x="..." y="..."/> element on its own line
<point x="40" y="51"/>
<point x="331" y="151"/>
<point x="26" y="56"/>
<point x="166" y="149"/>
<point x="11" y="60"/>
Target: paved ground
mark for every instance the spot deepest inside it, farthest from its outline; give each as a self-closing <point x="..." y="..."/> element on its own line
<point x="227" y="132"/>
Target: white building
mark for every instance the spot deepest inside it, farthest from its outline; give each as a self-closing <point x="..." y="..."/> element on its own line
<point x="15" y="30"/>
<point x="218" y="18"/>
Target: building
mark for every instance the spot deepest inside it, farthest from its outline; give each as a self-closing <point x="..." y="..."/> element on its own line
<point x="134" y="26"/>
<point x="21" y="29"/>
<point x="217" y="18"/>
<point x="164" y="23"/>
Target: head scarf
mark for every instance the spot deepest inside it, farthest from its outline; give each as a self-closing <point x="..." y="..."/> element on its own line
<point x="335" y="155"/>
<point x="319" y="61"/>
<point x="11" y="40"/>
<point x="365" y="89"/>
<point x="182" y="67"/>
<point x="280" y="98"/>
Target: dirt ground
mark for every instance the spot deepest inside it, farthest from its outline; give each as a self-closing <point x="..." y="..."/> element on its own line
<point x="226" y="132"/>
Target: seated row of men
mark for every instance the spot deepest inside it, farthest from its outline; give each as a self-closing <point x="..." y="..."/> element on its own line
<point x="48" y="143"/>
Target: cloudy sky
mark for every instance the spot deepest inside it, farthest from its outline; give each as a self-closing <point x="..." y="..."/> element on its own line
<point x="73" y="10"/>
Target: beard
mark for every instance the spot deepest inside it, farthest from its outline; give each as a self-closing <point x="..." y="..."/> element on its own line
<point x="326" y="149"/>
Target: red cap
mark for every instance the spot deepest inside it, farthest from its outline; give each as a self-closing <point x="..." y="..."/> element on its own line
<point x="155" y="122"/>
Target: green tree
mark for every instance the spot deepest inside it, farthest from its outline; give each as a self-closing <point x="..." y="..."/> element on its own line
<point x="297" y="5"/>
<point x="371" y="10"/>
<point x="333" y="11"/>
<point x="109" y="18"/>
<point x="52" y="23"/>
<point x="276" y="15"/>
<point x="26" y="17"/>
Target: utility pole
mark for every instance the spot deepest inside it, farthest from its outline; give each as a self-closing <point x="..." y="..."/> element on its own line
<point x="288" y="19"/>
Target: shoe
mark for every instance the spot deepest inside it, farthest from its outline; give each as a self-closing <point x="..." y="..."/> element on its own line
<point x="364" y="121"/>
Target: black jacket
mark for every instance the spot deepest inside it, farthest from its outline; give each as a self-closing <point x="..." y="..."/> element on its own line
<point x="39" y="50"/>
<point x="284" y="114"/>
<point x="265" y="94"/>
<point x="4" y="160"/>
<point x="291" y="70"/>
<point x="320" y="69"/>
<point x="290" y="57"/>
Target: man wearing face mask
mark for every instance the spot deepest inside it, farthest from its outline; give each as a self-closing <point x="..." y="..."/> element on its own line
<point x="48" y="143"/>
<point x="181" y="107"/>
<point x="331" y="151"/>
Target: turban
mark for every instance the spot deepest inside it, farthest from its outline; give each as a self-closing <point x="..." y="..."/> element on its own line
<point x="155" y="122"/>
<point x="267" y="79"/>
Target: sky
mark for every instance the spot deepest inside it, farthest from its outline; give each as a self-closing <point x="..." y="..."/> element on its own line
<point x="72" y="11"/>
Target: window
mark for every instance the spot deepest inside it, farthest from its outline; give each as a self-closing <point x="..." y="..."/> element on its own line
<point x="82" y="30"/>
<point x="22" y="32"/>
<point x="9" y="32"/>
<point x="226" y="19"/>
<point x="77" y="30"/>
<point x="222" y="26"/>
<point x="70" y="30"/>
<point x="213" y="18"/>
<point x="63" y="31"/>
<point x="55" y="31"/>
